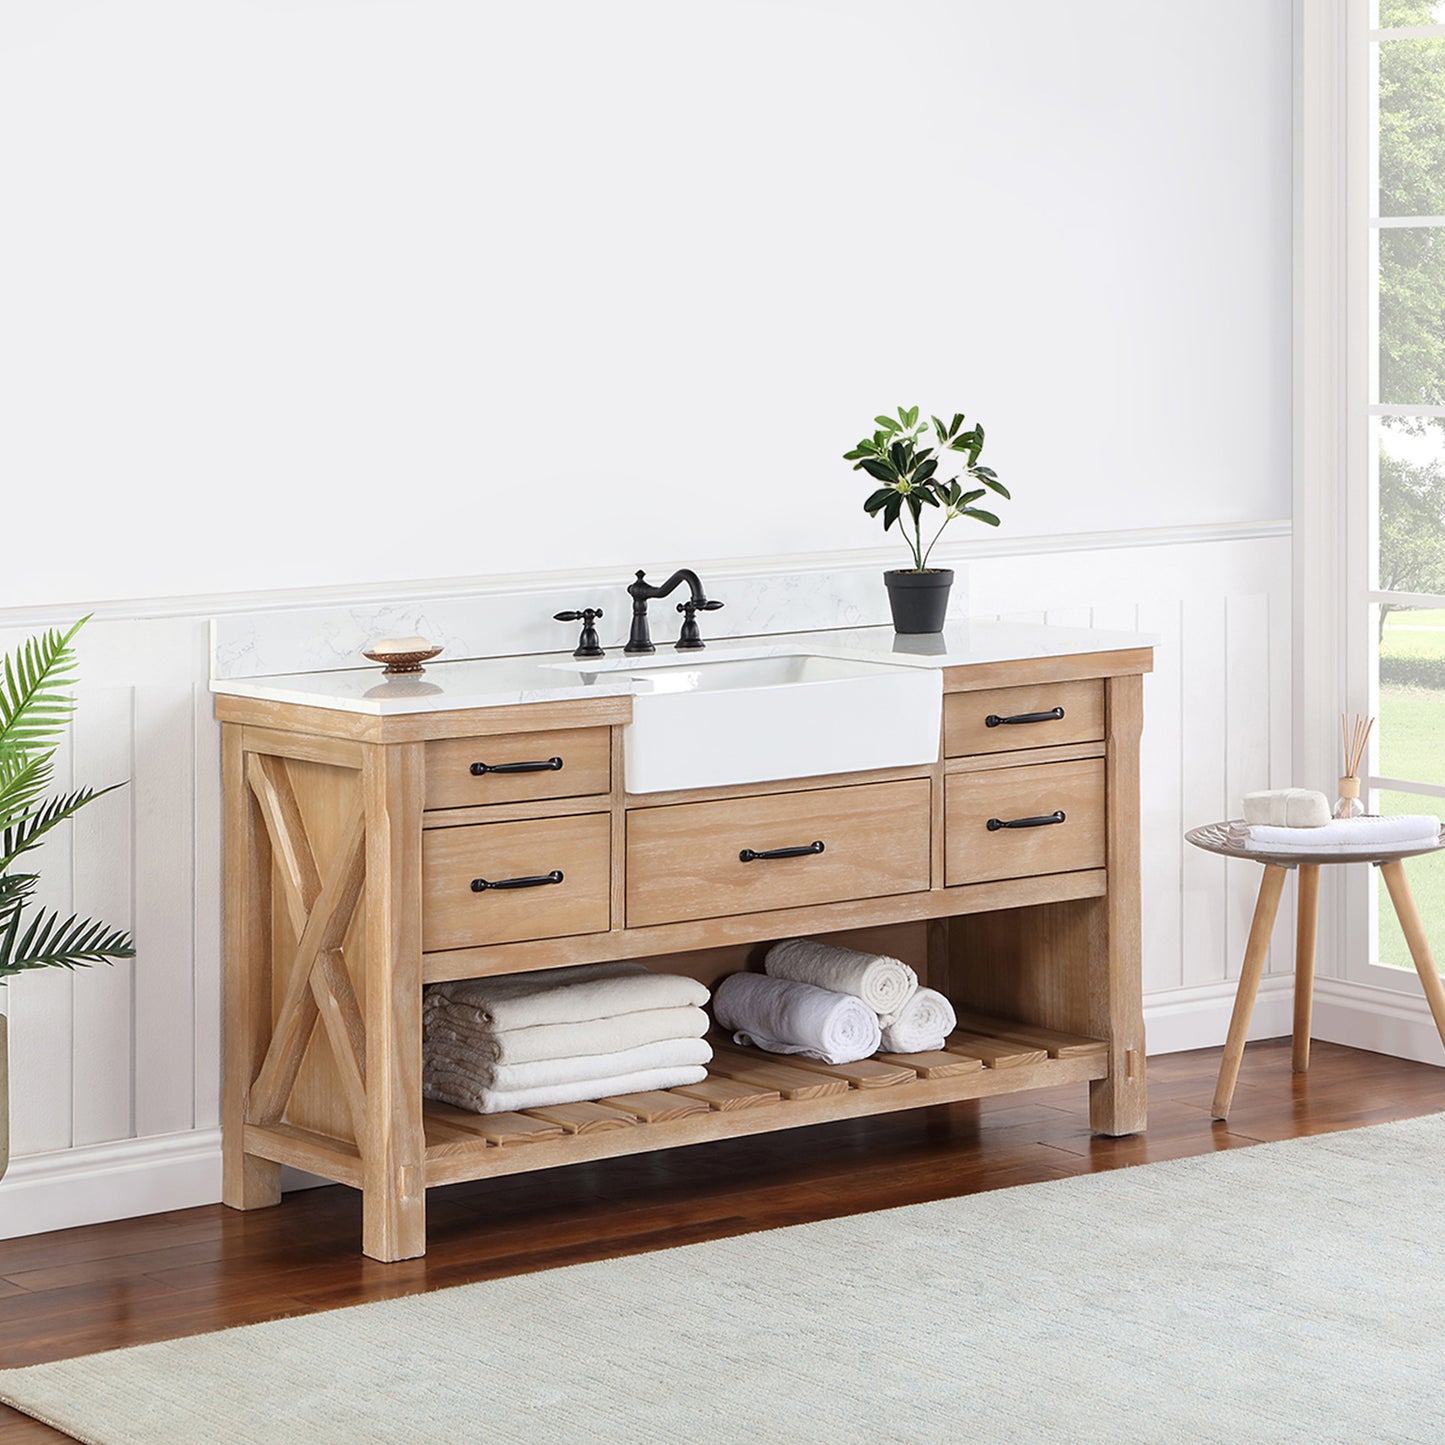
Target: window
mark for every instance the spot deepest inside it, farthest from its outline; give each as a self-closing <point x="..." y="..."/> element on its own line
<point x="1397" y="653"/>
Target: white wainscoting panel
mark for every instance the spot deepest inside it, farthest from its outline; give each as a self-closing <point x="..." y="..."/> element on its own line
<point x="115" y="1071"/>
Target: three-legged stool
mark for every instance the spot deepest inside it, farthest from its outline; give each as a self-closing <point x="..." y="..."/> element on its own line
<point x="1214" y="838"/>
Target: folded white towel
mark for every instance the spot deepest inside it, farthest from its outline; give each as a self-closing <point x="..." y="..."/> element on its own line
<point x="1287" y="808"/>
<point x="463" y="1094"/>
<point x="1352" y="850"/>
<point x="454" y="1060"/>
<point x="883" y="983"/>
<point x="787" y="1017"/>
<point x="454" y="1023"/>
<point x="926" y="1021"/>
<point x="580" y="994"/>
<point x="1344" y="833"/>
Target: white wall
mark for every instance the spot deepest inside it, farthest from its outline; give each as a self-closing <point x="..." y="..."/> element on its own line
<point x="303" y="292"/>
<point x="331" y="294"/>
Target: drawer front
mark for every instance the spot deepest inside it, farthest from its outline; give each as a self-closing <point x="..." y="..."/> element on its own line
<point x="457" y="915"/>
<point x="967" y="729"/>
<point x="976" y="853"/>
<point x="569" y="763"/>
<point x="686" y="861"/>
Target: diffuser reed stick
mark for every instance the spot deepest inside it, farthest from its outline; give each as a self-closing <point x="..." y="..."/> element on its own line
<point x="1354" y="740"/>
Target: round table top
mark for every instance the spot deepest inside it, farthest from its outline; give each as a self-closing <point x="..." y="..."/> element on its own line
<point x="1214" y="838"/>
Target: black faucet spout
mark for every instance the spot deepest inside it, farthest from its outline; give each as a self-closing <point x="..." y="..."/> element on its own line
<point x="639" y="637"/>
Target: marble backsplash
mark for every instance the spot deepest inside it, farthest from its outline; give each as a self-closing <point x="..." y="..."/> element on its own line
<point x="517" y="621"/>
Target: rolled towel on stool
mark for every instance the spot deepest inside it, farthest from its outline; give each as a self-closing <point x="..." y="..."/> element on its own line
<point x="787" y="1017"/>
<point x="884" y="984"/>
<point x="1287" y="808"/>
<point x="926" y="1021"/>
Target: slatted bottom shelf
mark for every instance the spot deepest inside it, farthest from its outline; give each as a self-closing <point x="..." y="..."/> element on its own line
<point x="748" y="1091"/>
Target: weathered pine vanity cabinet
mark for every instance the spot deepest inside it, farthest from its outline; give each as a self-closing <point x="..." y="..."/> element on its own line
<point x="356" y="840"/>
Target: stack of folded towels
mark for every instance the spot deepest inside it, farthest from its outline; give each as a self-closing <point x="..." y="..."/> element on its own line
<point x="833" y="1004"/>
<point x="1295" y="820"/>
<point x="562" y="1035"/>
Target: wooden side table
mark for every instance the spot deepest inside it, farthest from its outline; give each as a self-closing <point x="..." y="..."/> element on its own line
<point x="1214" y="838"/>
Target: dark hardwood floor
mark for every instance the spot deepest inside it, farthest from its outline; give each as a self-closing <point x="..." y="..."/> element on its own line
<point x="98" y="1288"/>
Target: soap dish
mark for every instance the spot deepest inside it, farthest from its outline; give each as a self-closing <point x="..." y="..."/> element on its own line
<point x="400" y="662"/>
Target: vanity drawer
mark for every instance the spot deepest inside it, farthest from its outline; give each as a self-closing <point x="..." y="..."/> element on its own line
<point x="455" y="914"/>
<point x="685" y="861"/>
<point x="568" y="763"/>
<point x="1045" y="714"/>
<point x="975" y="853"/>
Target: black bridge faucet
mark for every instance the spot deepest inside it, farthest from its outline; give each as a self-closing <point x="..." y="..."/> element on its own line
<point x="642" y="592"/>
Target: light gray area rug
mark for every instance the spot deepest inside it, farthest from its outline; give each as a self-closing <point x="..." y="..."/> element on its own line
<point x="1289" y="1291"/>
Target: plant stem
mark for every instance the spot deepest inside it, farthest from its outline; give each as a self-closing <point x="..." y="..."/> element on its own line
<point x="934" y="542"/>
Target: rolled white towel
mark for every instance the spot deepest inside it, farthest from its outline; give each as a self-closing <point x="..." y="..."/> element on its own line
<point x="884" y="984"/>
<point x="457" y="1024"/>
<point x="578" y="994"/>
<point x="666" y="1054"/>
<point x="926" y="1021"/>
<point x="787" y="1017"/>
<point x="1349" y="833"/>
<point x="1287" y="808"/>
<point x="461" y="1093"/>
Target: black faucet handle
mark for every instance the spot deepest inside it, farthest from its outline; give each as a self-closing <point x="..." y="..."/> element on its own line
<point x="588" y="645"/>
<point x="706" y="605"/>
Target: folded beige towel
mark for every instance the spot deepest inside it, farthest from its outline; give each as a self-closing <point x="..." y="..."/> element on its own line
<point x="457" y="1024"/>
<point x="455" y="1061"/>
<point x="580" y="994"/>
<point x="1287" y="808"/>
<point x="884" y="984"/>
<point x="926" y="1021"/>
<point x="463" y="1094"/>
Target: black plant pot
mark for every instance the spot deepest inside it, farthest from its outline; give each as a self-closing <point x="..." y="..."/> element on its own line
<point x="919" y="599"/>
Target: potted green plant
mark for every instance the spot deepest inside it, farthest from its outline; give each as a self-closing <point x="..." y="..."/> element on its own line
<point x="909" y="471"/>
<point x="35" y="709"/>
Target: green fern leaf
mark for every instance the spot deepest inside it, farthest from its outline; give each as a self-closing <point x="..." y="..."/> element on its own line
<point x="49" y="943"/>
<point x="35" y="703"/>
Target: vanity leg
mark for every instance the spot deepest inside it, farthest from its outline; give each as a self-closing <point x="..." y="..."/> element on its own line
<point x="1413" y="927"/>
<point x="1307" y="920"/>
<point x="393" y="1146"/>
<point x="247" y="1182"/>
<point x="1118" y="1104"/>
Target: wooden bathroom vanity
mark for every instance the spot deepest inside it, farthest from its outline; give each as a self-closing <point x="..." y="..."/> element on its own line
<point x="356" y="840"/>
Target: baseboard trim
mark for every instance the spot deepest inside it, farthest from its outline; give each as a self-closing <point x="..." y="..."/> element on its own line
<point x="1180" y="1019"/>
<point x="98" y="1182"/>
<point x="1377" y="1019"/>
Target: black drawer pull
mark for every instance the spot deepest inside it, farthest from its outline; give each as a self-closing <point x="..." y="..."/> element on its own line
<point x="994" y="824"/>
<point x="544" y="765"/>
<point x="748" y="855"/>
<point x="993" y="720"/>
<point x="481" y="885"/>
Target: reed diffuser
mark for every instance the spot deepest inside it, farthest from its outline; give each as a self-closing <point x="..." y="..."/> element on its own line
<point x="1354" y="739"/>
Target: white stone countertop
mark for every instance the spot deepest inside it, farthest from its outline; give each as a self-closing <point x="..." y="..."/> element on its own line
<point x="558" y="677"/>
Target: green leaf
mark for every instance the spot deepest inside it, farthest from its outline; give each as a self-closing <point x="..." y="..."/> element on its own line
<point x="49" y="943"/>
<point x="968" y="498"/>
<point x="891" y="511"/>
<point x="878" y="499"/>
<point x="898" y="455"/>
<point x="939" y="427"/>
<point x="28" y="831"/>
<point x="879" y="470"/>
<point x="888" y="424"/>
<point x="912" y="418"/>
<point x="957" y="422"/>
<point x="923" y="470"/>
<point x="34" y="707"/>
<point x="978" y="514"/>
